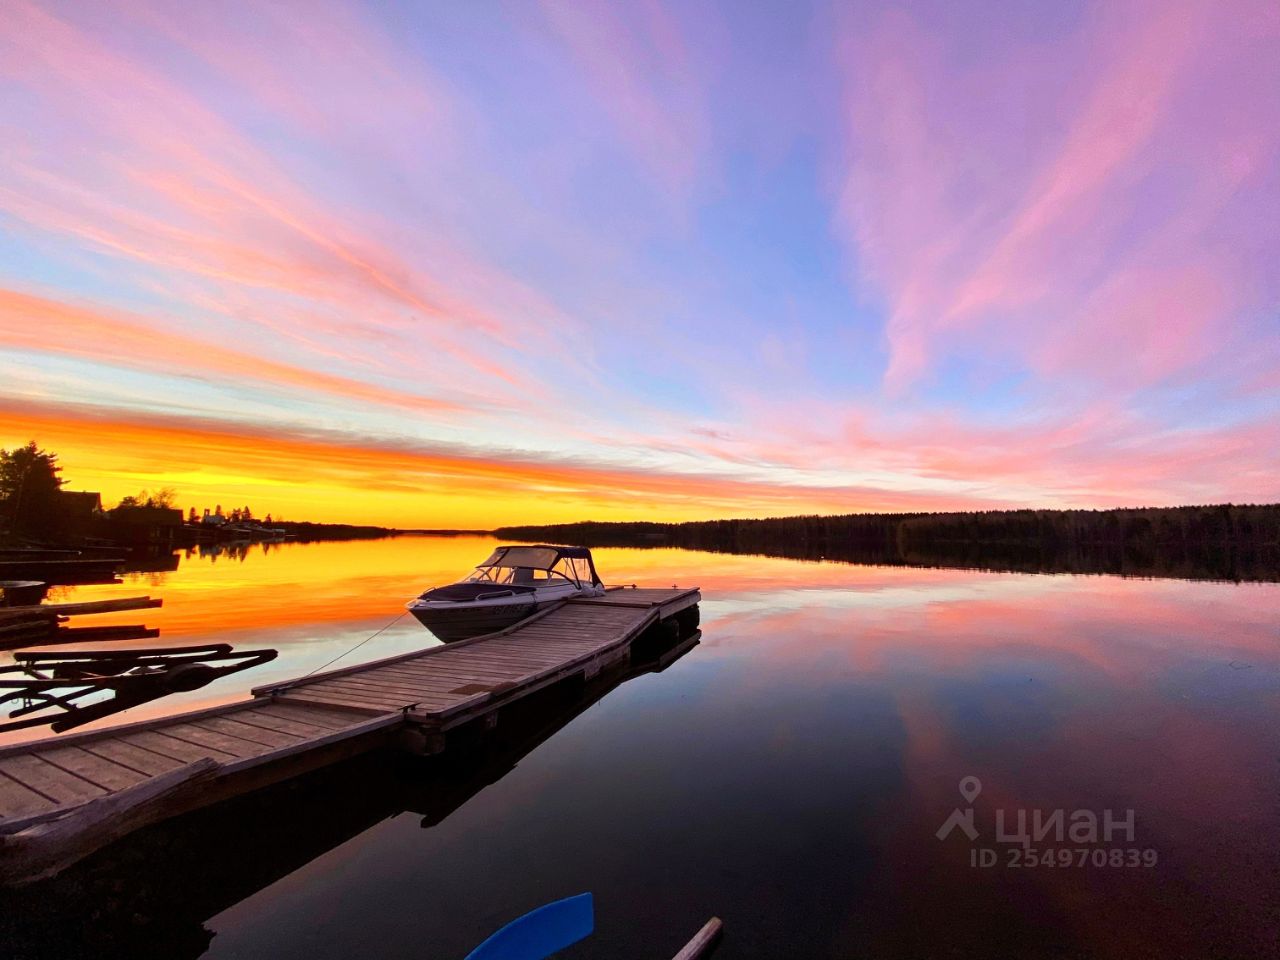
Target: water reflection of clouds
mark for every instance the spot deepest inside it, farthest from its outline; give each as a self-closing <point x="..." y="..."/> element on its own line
<point x="815" y="739"/>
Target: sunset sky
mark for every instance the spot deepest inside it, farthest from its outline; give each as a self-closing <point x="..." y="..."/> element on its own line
<point x="462" y="264"/>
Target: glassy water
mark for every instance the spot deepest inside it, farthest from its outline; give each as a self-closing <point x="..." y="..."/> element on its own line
<point x="791" y="774"/>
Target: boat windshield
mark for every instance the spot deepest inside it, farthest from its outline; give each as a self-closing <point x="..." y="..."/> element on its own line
<point x="530" y="565"/>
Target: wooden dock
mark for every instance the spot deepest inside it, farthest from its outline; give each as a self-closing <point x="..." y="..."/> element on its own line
<point x="64" y="797"/>
<point x="41" y="624"/>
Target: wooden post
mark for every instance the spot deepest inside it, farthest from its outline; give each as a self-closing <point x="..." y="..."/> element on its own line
<point x="704" y="941"/>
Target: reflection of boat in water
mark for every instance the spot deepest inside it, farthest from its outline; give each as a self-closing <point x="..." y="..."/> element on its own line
<point x="513" y="583"/>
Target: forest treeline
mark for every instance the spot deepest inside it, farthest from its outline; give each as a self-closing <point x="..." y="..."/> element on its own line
<point x="305" y="531"/>
<point x="1223" y="541"/>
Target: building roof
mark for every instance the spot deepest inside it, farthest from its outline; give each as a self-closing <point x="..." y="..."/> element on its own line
<point x="81" y="501"/>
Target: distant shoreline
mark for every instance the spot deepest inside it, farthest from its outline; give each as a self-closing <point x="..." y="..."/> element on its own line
<point x="1219" y="541"/>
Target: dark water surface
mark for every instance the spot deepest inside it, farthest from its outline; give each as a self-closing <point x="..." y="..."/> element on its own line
<point x="789" y="774"/>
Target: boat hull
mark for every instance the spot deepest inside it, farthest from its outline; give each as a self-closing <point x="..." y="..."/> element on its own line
<point x="454" y="622"/>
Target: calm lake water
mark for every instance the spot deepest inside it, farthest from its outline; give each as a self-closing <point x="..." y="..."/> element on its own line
<point x="790" y="773"/>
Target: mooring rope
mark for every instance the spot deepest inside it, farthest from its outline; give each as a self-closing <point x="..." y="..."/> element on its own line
<point x="357" y="646"/>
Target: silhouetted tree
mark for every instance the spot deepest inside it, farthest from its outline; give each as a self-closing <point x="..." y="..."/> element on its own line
<point x="29" y="484"/>
<point x="163" y="498"/>
<point x="1223" y="541"/>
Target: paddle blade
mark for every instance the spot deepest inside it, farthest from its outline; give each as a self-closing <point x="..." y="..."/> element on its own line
<point x="540" y="933"/>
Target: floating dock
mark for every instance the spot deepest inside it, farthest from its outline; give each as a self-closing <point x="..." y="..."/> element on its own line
<point x="64" y="797"/>
<point x="40" y="623"/>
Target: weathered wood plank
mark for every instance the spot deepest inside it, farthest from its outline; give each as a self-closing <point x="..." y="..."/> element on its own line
<point x="245" y="731"/>
<point x="28" y="626"/>
<point x="294" y="725"/>
<point x="18" y="800"/>
<point x="370" y="727"/>
<point x="465" y="664"/>
<point x="86" y="606"/>
<point x="460" y="673"/>
<point x="236" y="746"/>
<point x="318" y="717"/>
<point x="158" y="742"/>
<point x="114" y="732"/>
<point x="54" y="782"/>
<point x="105" y="773"/>
<point x="313" y="695"/>
<point x="369" y="689"/>
<point x="133" y="756"/>
<point x="376" y="682"/>
<point x="412" y="655"/>
<point x="496" y="658"/>
<point x="383" y="702"/>
<point x="441" y="683"/>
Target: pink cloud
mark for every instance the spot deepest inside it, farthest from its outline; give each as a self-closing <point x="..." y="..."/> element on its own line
<point x="982" y="218"/>
<point x="178" y="187"/>
<point x="38" y="324"/>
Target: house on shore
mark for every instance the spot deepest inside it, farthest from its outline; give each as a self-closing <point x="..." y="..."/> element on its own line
<point x="145" y="525"/>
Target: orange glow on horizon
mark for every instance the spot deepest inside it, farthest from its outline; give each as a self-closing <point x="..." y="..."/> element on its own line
<point x="303" y="478"/>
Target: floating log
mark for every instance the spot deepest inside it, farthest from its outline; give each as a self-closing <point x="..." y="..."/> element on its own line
<point x="14" y="554"/>
<point x="63" y="635"/>
<point x="19" y="593"/>
<point x="59" y="565"/>
<point x="42" y="849"/>
<point x="704" y="941"/>
<point x="27" y="626"/>
<point x="135" y="631"/>
<point x="81" y="608"/>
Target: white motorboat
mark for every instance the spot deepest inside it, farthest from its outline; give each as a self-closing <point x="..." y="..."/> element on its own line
<point x="514" y="583"/>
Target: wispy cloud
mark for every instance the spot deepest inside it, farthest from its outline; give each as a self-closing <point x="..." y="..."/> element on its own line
<point x="693" y="260"/>
<point x="1080" y="227"/>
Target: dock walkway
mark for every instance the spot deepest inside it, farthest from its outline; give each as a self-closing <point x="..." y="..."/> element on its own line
<point x="63" y="797"/>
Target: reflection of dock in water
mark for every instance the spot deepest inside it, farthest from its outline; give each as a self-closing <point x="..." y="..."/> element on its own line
<point x="159" y="886"/>
<point x="63" y="798"/>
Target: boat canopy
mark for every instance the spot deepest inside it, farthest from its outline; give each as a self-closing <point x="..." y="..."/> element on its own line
<point x="520" y="564"/>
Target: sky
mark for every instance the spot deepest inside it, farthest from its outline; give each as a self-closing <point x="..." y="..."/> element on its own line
<point x="436" y="264"/>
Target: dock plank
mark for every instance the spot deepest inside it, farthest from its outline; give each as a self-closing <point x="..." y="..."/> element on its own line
<point x="327" y="719"/>
<point x="236" y="746"/>
<point x="133" y="756"/>
<point x="288" y="724"/>
<point x="159" y="742"/>
<point x="98" y="770"/>
<point x="57" y="784"/>
<point x="19" y="800"/>
<point x="247" y="731"/>
<point x="494" y="674"/>
<point x="324" y="698"/>
<point x="393" y="684"/>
